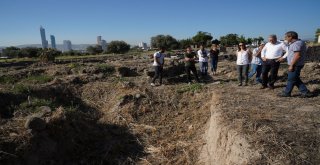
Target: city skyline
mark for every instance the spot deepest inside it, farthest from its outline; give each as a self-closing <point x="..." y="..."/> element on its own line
<point x="80" y="21"/>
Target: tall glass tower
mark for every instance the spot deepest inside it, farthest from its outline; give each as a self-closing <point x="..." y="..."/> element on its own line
<point x="53" y="42"/>
<point x="43" y="37"/>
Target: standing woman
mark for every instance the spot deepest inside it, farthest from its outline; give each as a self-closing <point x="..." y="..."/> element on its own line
<point x="214" y="52"/>
<point x="243" y="63"/>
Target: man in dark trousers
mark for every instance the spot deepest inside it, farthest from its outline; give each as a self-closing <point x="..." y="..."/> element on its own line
<point x="189" y="59"/>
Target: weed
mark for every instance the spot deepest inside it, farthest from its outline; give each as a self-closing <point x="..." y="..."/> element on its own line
<point x="7" y="79"/>
<point x="193" y="88"/>
<point x="106" y="68"/>
<point x="20" y="89"/>
<point x="39" y="79"/>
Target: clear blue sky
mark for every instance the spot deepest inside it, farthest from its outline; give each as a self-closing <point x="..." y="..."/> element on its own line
<point x="133" y="21"/>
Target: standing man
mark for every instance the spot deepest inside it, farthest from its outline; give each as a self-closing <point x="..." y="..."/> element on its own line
<point x="189" y="59"/>
<point x="296" y="57"/>
<point x="271" y="55"/>
<point x="203" y="61"/>
<point x="214" y="53"/>
<point x="158" y="62"/>
<point x="256" y="63"/>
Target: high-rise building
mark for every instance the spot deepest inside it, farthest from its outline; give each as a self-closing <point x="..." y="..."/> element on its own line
<point x="53" y="42"/>
<point x="143" y="45"/>
<point x="99" y="38"/>
<point x="67" y="46"/>
<point x="43" y="37"/>
<point x="104" y="45"/>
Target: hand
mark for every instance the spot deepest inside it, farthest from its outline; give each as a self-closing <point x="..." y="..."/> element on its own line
<point x="264" y="59"/>
<point x="281" y="59"/>
<point x="291" y="68"/>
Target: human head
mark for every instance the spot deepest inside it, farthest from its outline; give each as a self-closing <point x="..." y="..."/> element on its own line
<point x="262" y="44"/>
<point x="214" y="46"/>
<point x="291" y="35"/>
<point x="201" y="47"/>
<point x="273" y="38"/>
<point x="162" y="49"/>
<point x="189" y="49"/>
<point x="242" y="45"/>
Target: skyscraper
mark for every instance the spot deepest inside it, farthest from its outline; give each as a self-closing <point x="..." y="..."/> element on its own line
<point x="67" y="46"/>
<point x="99" y="40"/>
<point x="43" y="37"/>
<point x="104" y="45"/>
<point x="53" y="42"/>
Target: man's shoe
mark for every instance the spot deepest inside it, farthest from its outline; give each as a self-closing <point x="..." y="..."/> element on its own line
<point x="307" y="95"/>
<point x="282" y="94"/>
<point x="240" y="84"/>
<point x="152" y="84"/>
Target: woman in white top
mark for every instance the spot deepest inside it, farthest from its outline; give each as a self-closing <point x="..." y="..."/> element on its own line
<point x="243" y="63"/>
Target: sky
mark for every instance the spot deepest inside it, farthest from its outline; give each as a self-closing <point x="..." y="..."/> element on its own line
<point x="134" y="21"/>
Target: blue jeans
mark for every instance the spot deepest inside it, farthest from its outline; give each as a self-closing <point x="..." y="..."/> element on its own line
<point x="294" y="80"/>
<point x="214" y="64"/>
<point x="255" y="68"/>
<point x="243" y="72"/>
<point x="203" y="68"/>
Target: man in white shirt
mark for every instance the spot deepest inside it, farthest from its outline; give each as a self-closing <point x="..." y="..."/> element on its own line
<point x="271" y="56"/>
<point x="203" y="61"/>
<point x="158" y="62"/>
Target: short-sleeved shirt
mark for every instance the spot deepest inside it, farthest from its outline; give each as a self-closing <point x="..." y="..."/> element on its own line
<point x="297" y="46"/>
<point x="203" y="55"/>
<point x="190" y="55"/>
<point x="256" y="60"/>
<point x="161" y="58"/>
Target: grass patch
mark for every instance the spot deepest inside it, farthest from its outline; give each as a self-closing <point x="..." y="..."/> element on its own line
<point x="7" y="79"/>
<point x="106" y="68"/>
<point x="39" y="79"/>
<point x="33" y="104"/>
<point x="190" y="88"/>
<point x="20" y="89"/>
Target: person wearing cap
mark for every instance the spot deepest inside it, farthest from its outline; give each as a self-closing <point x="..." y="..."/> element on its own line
<point x="295" y="56"/>
<point x="256" y="63"/>
<point x="158" y="62"/>
<point x="271" y="56"/>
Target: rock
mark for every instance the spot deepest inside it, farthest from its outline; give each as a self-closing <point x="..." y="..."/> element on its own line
<point x="35" y="123"/>
<point x="43" y="110"/>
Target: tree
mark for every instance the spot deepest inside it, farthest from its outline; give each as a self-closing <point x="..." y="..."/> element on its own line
<point x="184" y="43"/>
<point x="118" y="47"/>
<point x="317" y="35"/>
<point x="94" y="49"/>
<point x="166" y="41"/>
<point x="202" y="38"/>
<point x="241" y="39"/>
<point x="11" y="52"/>
<point x="249" y="40"/>
<point x="30" y="52"/>
<point x="229" y="39"/>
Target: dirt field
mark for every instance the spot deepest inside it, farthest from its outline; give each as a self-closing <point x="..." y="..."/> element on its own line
<point x="105" y="112"/>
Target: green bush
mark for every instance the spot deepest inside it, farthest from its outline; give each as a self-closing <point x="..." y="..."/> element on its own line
<point x="39" y="79"/>
<point x="106" y="68"/>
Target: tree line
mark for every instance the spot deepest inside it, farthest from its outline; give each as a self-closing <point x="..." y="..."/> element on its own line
<point x="201" y="38"/>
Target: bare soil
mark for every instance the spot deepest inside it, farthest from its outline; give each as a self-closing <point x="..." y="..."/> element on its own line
<point x="104" y="111"/>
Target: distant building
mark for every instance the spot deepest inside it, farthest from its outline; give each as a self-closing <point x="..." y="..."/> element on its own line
<point x="43" y="37"/>
<point x="99" y="38"/>
<point x="104" y="45"/>
<point x="143" y="45"/>
<point x="53" y="42"/>
<point x="67" y="46"/>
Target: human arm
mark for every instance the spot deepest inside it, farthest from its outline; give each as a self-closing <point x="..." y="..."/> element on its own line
<point x="263" y="53"/>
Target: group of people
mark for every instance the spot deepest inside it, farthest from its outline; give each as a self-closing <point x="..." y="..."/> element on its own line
<point x="264" y="62"/>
